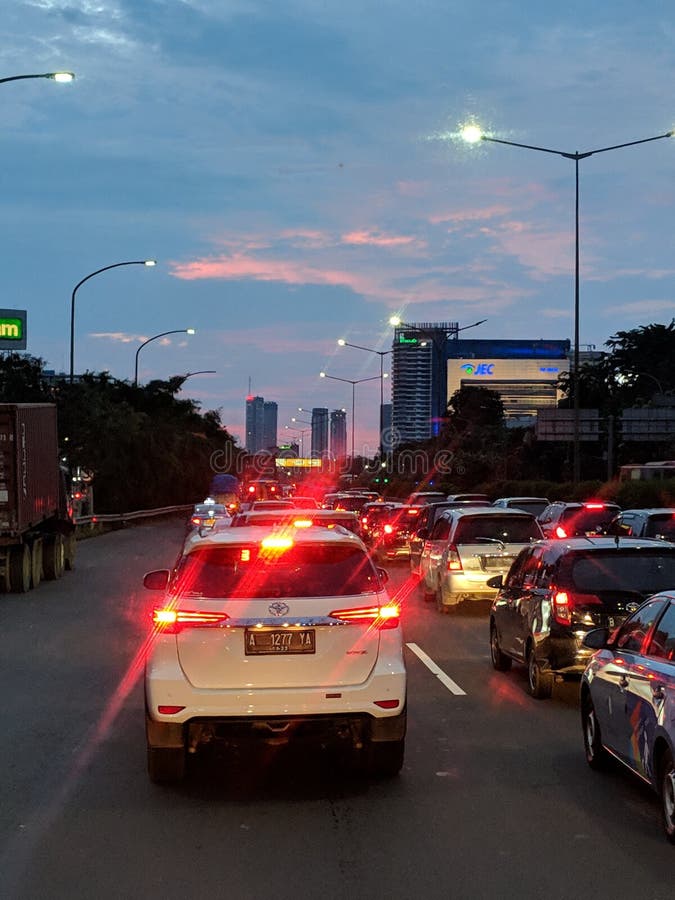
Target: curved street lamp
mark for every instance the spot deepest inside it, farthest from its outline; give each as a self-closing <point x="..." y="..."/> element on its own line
<point x="302" y="432"/>
<point x="381" y="354"/>
<point x="54" y="76"/>
<point x="472" y="133"/>
<point x="154" y="338"/>
<point x="133" y="262"/>
<point x="353" y="382"/>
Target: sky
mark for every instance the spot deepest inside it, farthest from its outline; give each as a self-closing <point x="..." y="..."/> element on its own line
<point x="296" y="170"/>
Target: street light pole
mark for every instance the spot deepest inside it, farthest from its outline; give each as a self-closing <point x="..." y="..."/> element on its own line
<point x="154" y="338"/>
<point x="353" y="382"/>
<point x="473" y="134"/>
<point x="54" y="76"/>
<point x="381" y="354"/>
<point x="133" y="262"/>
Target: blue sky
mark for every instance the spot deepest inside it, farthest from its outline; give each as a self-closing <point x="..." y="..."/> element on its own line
<point x="292" y="167"/>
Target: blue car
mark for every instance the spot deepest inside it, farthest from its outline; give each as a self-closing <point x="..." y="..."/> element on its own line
<point x="628" y="698"/>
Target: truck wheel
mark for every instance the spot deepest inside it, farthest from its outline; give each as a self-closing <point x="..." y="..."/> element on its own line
<point x="36" y="563"/>
<point x="20" y="569"/>
<point x="53" y="557"/>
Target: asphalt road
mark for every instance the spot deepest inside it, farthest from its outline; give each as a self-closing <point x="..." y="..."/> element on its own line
<point x="495" y="798"/>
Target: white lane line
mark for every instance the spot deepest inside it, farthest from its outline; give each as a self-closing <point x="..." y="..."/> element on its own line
<point x="445" y="680"/>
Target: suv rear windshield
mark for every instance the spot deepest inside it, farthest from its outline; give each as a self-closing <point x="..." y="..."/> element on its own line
<point x="508" y="529"/>
<point x="319" y="570"/>
<point x="646" y="572"/>
<point x="587" y="519"/>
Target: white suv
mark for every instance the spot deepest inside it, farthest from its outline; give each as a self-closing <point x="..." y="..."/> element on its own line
<point x="273" y="635"/>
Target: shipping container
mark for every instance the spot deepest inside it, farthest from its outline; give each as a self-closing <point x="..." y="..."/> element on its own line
<point x="36" y="531"/>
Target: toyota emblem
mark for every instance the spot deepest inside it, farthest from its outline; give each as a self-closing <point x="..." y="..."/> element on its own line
<point x="631" y="607"/>
<point x="278" y="608"/>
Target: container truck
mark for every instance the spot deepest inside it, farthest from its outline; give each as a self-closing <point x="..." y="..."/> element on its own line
<point x="37" y="533"/>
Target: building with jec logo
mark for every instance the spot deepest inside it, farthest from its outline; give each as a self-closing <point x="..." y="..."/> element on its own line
<point x="524" y="373"/>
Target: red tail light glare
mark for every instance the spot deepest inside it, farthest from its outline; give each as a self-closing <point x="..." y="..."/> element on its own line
<point x="380" y="616"/>
<point x="594" y="505"/>
<point x="387" y="704"/>
<point x="560" y="532"/>
<point x="454" y="563"/>
<point x="195" y="520"/>
<point x="302" y="523"/>
<point x="171" y="621"/>
<point x="562" y="608"/>
<point x="388" y="529"/>
<point x="169" y="710"/>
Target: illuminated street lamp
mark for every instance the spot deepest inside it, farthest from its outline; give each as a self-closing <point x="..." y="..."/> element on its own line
<point x="154" y="338"/>
<point x="472" y="133"/>
<point x="381" y="354"/>
<point x="62" y="77"/>
<point x="353" y="382"/>
<point x="133" y="262"/>
<point x="302" y="432"/>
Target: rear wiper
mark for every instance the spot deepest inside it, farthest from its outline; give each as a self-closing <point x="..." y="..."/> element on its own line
<point x="488" y="540"/>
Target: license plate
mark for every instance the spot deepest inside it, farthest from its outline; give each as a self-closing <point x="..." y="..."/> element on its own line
<point x="267" y="642"/>
<point x="498" y="562"/>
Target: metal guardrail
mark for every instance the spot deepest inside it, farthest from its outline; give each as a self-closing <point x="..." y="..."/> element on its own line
<point x="130" y="516"/>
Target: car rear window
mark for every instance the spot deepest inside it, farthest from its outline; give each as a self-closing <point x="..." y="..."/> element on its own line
<point x="536" y="507"/>
<point x="508" y="529"/>
<point x="253" y="572"/>
<point x="583" y="520"/>
<point x="646" y="572"/>
<point x="661" y="525"/>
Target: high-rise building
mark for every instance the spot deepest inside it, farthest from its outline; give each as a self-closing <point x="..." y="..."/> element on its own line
<point x="269" y="425"/>
<point x="386" y="442"/>
<point x="338" y="434"/>
<point x="255" y="418"/>
<point x="419" y="392"/>
<point x="319" y="432"/>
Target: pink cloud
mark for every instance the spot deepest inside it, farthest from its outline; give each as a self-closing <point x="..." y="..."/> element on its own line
<point x="470" y="215"/>
<point x="377" y="239"/>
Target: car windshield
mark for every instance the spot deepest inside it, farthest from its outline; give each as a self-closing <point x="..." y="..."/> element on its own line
<point x="661" y="525"/>
<point x="507" y="529"/>
<point x="645" y="572"/>
<point x="210" y="509"/>
<point x="319" y="570"/>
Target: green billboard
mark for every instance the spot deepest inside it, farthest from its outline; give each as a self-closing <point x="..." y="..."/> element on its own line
<point x="12" y="329"/>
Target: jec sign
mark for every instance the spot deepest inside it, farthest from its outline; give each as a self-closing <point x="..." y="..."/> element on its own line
<point x="12" y="329"/>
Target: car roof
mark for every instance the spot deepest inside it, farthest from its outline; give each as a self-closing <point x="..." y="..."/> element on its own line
<point x="652" y="511"/>
<point x="607" y="543"/>
<point x="248" y="535"/>
<point x="515" y="499"/>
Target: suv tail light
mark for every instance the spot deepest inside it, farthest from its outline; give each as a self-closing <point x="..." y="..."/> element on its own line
<point x="380" y="616"/>
<point x="389" y="529"/>
<point x="565" y="602"/>
<point x="453" y="562"/>
<point x="560" y="532"/>
<point x="171" y="621"/>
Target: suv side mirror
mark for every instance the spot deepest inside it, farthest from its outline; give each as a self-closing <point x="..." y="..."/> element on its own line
<point x="384" y="575"/>
<point x="596" y="639"/>
<point x="422" y="534"/>
<point x="495" y="582"/>
<point x="156" y="581"/>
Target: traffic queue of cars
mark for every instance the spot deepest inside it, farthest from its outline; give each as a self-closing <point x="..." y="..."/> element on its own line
<point x="247" y="646"/>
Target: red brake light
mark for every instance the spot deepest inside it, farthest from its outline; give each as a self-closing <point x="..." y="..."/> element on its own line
<point x="196" y="520"/>
<point x="594" y="505"/>
<point x="251" y="489"/>
<point x="564" y="603"/>
<point x="171" y="621"/>
<point x="169" y="710"/>
<point x="453" y="563"/>
<point x="560" y="532"/>
<point x="380" y="616"/>
<point x="388" y="529"/>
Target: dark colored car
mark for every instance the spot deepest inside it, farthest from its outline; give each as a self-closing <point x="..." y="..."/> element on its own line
<point x="628" y="699"/>
<point x="534" y="505"/>
<point x="556" y="591"/>
<point x="425" y="522"/>
<point x="654" y="523"/>
<point x="371" y="516"/>
<point x="563" y="520"/>
<point x="389" y="537"/>
<point x="207" y="515"/>
<point x="299" y="518"/>
<point x="422" y="498"/>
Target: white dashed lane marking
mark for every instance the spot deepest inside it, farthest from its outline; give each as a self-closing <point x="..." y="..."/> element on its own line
<point x="445" y="680"/>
